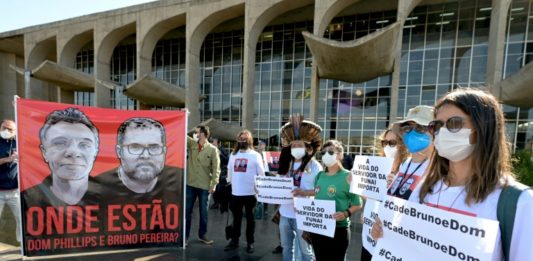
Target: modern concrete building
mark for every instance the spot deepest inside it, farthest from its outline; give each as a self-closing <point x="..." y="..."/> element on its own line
<point x="362" y="65"/>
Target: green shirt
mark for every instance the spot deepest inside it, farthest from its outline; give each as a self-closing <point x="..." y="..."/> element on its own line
<point x="337" y="187"/>
<point x="203" y="167"/>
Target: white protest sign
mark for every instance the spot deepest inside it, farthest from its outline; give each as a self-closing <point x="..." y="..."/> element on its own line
<point x="369" y="176"/>
<point x="315" y="215"/>
<point x="274" y="190"/>
<point x="428" y="233"/>
<point x="369" y="217"/>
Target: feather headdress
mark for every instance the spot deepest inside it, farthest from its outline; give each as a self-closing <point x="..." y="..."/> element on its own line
<point x="299" y="129"/>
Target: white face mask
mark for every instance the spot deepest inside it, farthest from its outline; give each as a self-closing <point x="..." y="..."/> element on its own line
<point x="390" y="152"/>
<point x="298" y="153"/>
<point x="329" y="160"/>
<point x="454" y="146"/>
<point x="195" y="137"/>
<point x="5" y="134"/>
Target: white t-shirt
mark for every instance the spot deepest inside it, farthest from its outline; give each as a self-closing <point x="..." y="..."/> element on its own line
<point x="306" y="181"/>
<point x="242" y="169"/>
<point x="409" y="176"/>
<point x="453" y="199"/>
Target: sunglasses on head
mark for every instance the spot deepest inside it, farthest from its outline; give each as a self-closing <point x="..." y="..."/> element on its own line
<point x="453" y="124"/>
<point x="392" y="143"/>
<point x="408" y="127"/>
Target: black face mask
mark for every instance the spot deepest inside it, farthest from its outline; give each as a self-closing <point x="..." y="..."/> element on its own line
<point x="243" y="145"/>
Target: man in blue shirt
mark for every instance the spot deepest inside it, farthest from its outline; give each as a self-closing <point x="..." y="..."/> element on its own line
<point x="8" y="171"/>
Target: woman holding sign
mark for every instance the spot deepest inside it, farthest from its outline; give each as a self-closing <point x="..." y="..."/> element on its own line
<point x="470" y="173"/>
<point x="472" y="166"/>
<point x="391" y="146"/>
<point x="300" y="141"/>
<point x="334" y="184"/>
<point x="418" y="140"/>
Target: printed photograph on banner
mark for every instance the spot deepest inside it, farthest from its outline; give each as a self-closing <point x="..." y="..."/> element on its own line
<point x="98" y="179"/>
<point x="370" y="212"/>
<point x="274" y="190"/>
<point x="272" y="160"/>
<point x="429" y="233"/>
<point x="315" y="216"/>
<point x="369" y="176"/>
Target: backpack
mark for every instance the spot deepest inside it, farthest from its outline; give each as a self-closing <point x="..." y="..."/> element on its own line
<point x="506" y="212"/>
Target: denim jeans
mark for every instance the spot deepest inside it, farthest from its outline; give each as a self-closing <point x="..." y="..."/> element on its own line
<point x="12" y="199"/>
<point x="191" y="194"/>
<point x="292" y="242"/>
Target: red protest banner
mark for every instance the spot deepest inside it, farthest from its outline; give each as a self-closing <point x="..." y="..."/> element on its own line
<point x="98" y="179"/>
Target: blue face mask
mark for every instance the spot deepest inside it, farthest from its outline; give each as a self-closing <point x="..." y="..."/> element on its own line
<point x="415" y="141"/>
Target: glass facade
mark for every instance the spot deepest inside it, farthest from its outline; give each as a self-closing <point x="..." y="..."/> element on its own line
<point x="282" y="78"/>
<point x="444" y="46"/>
<point x="221" y="58"/>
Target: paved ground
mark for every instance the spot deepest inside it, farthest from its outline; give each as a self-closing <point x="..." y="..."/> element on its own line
<point x="266" y="237"/>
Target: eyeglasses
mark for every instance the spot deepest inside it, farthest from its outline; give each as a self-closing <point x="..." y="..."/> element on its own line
<point x="138" y="149"/>
<point x="453" y="124"/>
<point x="330" y="152"/>
<point x="408" y="127"/>
<point x="392" y="143"/>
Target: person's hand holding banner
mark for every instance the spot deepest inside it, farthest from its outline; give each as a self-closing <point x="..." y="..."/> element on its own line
<point x="428" y="233"/>
<point x="369" y="176"/>
<point x="274" y="190"/>
<point x="315" y="216"/>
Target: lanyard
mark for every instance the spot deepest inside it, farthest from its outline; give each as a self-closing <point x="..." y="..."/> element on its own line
<point x="296" y="179"/>
<point x="407" y="173"/>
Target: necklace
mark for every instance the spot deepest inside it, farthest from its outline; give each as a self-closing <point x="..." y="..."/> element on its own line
<point x="453" y="202"/>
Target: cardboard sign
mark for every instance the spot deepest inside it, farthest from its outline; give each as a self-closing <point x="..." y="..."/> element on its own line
<point x="274" y="190"/>
<point x="428" y="233"/>
<point x="369" y="176"/>
<point x="315" y="216"/>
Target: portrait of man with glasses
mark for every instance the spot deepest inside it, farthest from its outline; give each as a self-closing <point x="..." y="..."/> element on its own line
<point x="142" y="174"/>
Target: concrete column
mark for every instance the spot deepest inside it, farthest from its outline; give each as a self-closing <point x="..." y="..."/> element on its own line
<point x="325" y="11"/>
<point x="405" y="7"/>
<point x="8" y="85"/>
<point x="69" y="43"/>
<point x="38" y="47"/>
<point x="258" y="14"/>
<point x="108" y="33"/>
<point x="495" y="57"/>
<point x="152" y="25"/>
<point x="202" y="18"/>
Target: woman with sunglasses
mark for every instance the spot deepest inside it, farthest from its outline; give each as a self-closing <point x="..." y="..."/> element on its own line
<point x="391" y="146"/>
<point x="334" y="184"/>
<point x="300" y="141"/>
<point x="472" y="166"/>
<point x="418" y="141"/>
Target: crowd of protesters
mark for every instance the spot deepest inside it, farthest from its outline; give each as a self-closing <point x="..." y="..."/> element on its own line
<point x="454" y="156"/>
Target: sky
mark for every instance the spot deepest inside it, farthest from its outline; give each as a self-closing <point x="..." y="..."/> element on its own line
<point x="17" y="14"/>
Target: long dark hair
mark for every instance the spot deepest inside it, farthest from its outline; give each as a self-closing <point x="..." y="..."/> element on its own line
<point x="491" y="155"/>
<point x="286" y="159"/>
